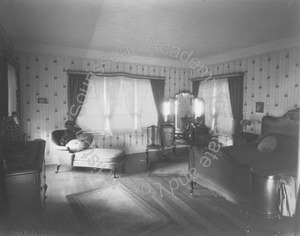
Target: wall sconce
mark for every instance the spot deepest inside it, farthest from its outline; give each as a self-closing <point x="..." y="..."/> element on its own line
<point x="244" y="123"/>
<point x="198" y="107"/>
<point x="167" y="110"/>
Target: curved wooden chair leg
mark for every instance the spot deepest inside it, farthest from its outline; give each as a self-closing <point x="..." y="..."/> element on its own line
<point x="147" y="156"/>
<point x="114" y="171"/>
<point x="174" y="150"/>
<point x="192" y="184"/>
<point x="160" y="153"/>
<point x="57" y="168"/>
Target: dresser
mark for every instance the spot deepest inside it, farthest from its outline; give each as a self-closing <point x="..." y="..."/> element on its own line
<point x="24" y="182"/>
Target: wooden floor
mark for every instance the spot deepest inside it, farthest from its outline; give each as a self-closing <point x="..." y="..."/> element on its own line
<point x="215" y="213"/>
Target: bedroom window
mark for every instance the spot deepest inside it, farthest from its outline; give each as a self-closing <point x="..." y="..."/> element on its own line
<point x="12" y="88"/>
<point x="218" y="114"/>
<point x="117" y="105"/>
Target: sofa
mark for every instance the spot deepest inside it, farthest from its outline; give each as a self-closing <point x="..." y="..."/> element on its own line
<point x="113" y="159"/>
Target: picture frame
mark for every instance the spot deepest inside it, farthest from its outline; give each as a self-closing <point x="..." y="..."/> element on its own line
<point x="259" y="108"/>
<point x="43" y="100"/>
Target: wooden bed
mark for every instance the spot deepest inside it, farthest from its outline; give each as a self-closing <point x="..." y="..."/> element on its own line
<point x="241" y="173"/>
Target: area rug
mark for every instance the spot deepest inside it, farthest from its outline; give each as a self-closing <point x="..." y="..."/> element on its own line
<point x="169" y="167"/>
<point x="115" y="211"/>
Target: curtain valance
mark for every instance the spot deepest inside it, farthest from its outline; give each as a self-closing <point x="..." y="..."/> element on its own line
<point x="114" y="74"/>
<point x="222" y="76"/>
<point x="78" y="82"/>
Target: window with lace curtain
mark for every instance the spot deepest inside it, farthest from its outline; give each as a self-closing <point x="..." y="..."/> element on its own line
<point x="218" y="114"/>
<point x="117" y="105"/>
<point x="12" y="88"/>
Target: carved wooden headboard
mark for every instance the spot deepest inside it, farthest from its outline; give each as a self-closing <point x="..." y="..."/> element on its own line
<point x="288" y="124"/>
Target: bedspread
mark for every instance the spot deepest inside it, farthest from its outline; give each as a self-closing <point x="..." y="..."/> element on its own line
<point x="287" y="195"/>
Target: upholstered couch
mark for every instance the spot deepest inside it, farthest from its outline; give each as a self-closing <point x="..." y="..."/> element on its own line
<point x="112" y="159"/>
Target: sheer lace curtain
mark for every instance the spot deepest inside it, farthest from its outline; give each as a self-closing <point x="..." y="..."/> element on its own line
<point x="111" y="92"/>
<point x="218" y="114"/>
<point x="145" y="106"/>
<point x="90" y="118"/>
<point x="99" y="105"/>
<point x="117" y="105"/>
<point x="139" y="97"/>
<point x="128" y="95"/>
<point x="12" y="88"/>
<point x="135" y="107"/>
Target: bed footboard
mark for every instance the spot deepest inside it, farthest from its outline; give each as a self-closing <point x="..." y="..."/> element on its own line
<point x="216" y="171"/>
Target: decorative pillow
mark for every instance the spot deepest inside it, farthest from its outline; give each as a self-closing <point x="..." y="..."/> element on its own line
<point x="67" y="136"/>
<point x="75" y="145"/>
<point x="86" y="138"/>
<point x="267" y="144"/>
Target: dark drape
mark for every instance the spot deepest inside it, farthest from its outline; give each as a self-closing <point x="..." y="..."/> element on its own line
<point x="196" y="85"/>
<point x="235" y="85"/>
<point x="77" y="87"/>
<point x="158" y="90"/>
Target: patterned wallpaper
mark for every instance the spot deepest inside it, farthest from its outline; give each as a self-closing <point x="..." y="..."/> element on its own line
<point x="44" y="76"/>
<point x="272" y="78"/>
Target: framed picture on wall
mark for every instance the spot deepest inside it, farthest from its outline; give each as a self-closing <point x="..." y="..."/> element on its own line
<point x="259" y="108"/>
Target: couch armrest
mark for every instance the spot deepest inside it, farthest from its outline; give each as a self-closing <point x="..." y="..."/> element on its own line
<point x="62" y="148"/>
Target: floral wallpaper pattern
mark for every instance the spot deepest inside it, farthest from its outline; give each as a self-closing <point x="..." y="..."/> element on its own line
<point x="272" y="78"/>
<point x="44" y="77"/>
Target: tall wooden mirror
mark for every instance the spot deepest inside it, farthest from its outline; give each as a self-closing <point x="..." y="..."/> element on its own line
<point x="183" y="108"/>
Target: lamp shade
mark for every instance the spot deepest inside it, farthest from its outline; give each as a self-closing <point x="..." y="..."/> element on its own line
<point x="199" y="107"/>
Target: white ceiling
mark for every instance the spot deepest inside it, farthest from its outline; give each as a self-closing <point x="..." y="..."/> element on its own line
<point x="207" y="27"/>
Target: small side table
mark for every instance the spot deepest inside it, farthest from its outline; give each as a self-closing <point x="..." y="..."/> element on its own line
<point x="244" y="138"/>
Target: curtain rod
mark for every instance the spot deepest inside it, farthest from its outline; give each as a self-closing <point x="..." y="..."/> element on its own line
<point x="222" y="76"/>
<point x="113" y="74"/>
